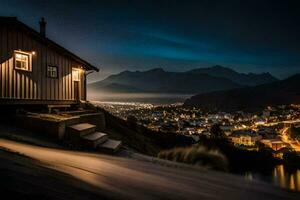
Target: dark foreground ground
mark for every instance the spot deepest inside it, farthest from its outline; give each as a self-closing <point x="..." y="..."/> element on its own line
<point x="46" y="173"/>
<point x="24" y="178"/>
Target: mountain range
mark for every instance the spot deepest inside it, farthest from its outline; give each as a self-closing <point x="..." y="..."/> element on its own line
<point x="195" y="81"/>
<point x="250" y="79"/>
<point x="252" y="98"/>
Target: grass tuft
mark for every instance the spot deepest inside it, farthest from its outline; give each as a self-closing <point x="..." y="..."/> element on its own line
<point x="197" y="155"/>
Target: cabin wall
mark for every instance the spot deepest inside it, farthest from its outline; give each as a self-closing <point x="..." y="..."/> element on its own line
<point x="34" y="84"/>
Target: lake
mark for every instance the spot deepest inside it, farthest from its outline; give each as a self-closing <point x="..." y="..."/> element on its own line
<point x="279" y="176"/>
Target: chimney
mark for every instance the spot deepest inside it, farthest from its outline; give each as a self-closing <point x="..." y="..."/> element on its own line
<point x="43" y="27"/>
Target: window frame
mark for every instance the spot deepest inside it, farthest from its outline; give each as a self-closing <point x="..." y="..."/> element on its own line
<point x="29" y="61"/>
<point x="57" y="72"/>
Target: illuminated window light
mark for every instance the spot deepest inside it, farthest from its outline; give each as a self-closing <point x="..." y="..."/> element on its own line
<point x="76" y="75"/>
<point x="22" y="61"/>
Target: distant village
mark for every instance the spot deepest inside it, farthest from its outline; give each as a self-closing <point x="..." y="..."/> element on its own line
<point x="275" y="127"/>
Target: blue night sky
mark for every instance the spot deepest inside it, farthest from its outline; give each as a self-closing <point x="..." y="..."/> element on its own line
<point x="248" y="36"/>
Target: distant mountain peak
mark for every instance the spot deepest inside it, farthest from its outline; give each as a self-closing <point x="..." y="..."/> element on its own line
<point x="153" y="70"/>
<point x="214" y="69"/>
<point x="249" y="79"/>
<point x="221" y="67"/>
<point x="159" y="69"/>
<point x="124" y="72"/>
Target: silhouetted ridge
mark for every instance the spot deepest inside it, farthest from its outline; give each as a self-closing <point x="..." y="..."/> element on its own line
<point x="195" y="81"/>
<point x="250" y="98"/>
<point x="249" y="79"/>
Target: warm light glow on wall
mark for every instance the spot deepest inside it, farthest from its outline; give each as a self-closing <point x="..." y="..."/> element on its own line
<point x="76" y="74"/>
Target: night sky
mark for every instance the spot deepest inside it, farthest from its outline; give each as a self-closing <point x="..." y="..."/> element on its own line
<point x="256" y="36"/>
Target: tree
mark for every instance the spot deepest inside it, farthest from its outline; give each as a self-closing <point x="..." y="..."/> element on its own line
<point x="292" y="159"/>
<point x="216" y="131"/>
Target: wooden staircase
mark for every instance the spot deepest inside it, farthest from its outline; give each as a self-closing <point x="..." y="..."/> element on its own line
<point x="94" y="139"/>
<point x="85" y="134"/>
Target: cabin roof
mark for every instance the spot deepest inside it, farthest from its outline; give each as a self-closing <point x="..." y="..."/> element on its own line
<point x="47" y="41"/>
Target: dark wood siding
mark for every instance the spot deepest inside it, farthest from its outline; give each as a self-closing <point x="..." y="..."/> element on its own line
<point x="34" y="84"/>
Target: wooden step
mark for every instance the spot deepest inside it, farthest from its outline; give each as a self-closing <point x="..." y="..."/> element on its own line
<point x="94" y="118"/>
<point x="81" y="129"/>
<point x="110" y="146"/>
<point x="94" y="139"/>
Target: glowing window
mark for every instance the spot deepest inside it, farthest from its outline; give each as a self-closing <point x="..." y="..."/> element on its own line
<point x="52" y="71"/>
<point x="76" y="75"/>
<point x="22" y="61"/>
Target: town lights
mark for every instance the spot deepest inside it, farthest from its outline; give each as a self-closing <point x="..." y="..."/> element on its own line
<point x="33" y="53"/>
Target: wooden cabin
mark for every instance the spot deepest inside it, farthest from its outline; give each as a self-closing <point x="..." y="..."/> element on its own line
<point x="36" y="70"/>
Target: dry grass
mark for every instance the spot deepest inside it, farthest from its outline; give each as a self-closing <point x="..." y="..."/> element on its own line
<point x="197" y="155"/>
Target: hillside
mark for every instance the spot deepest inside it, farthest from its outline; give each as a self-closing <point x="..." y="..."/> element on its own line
<point x="142" y="139"/>
<point x="250" y="98"/>
<point x="191" y="82"/>
<point x="48" y="173"/>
